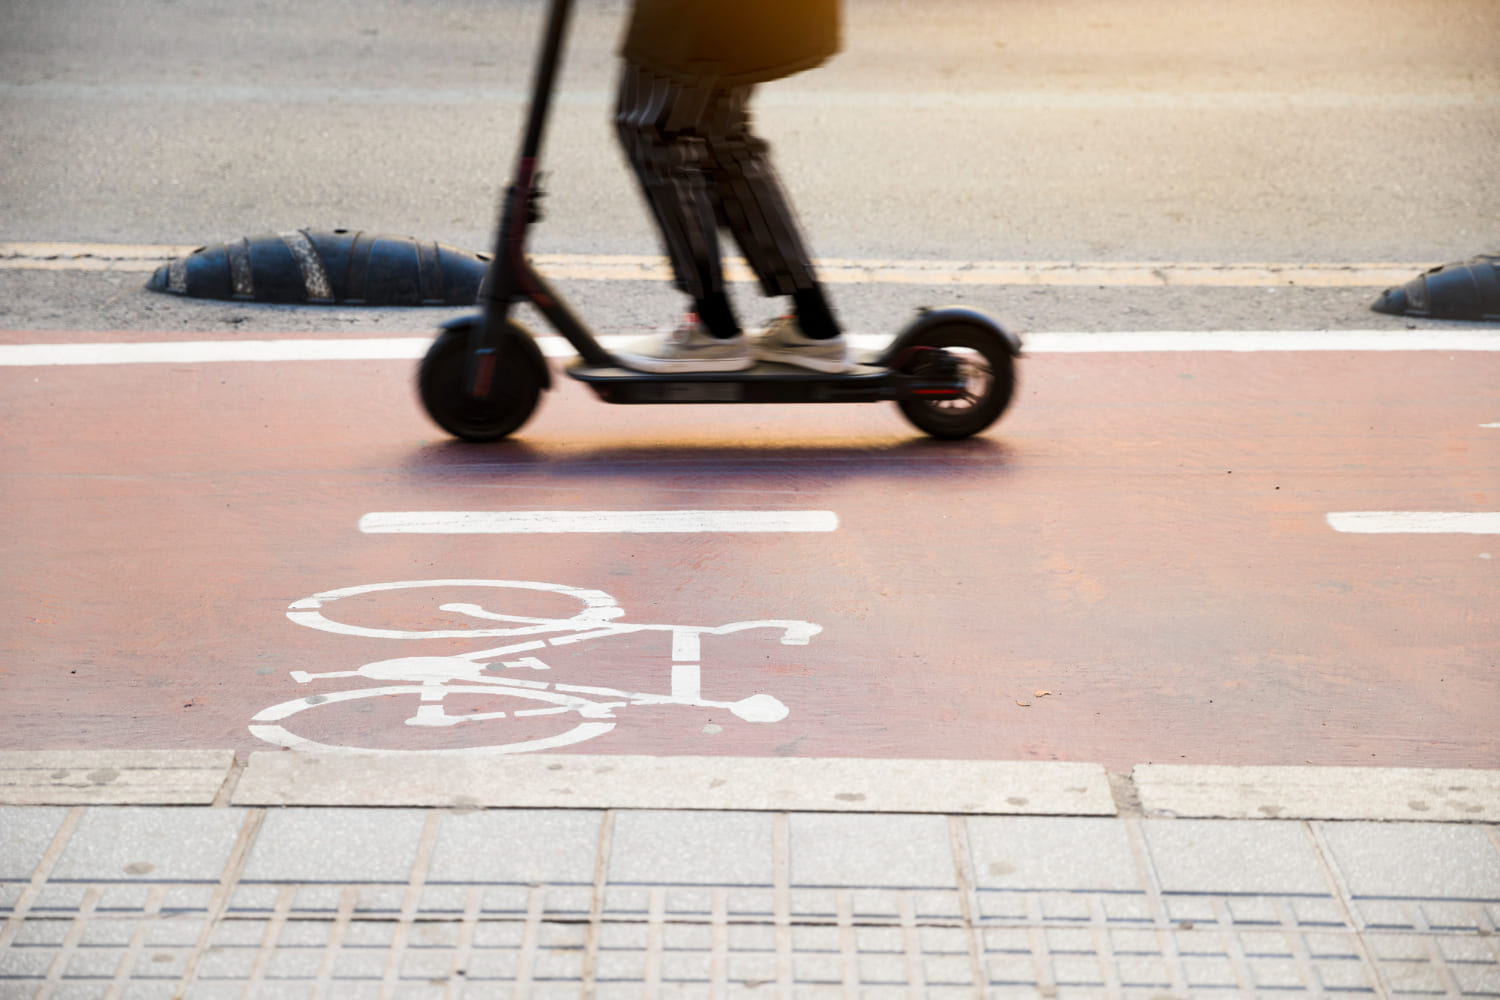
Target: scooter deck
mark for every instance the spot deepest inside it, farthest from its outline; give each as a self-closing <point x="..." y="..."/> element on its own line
<point x="764" y="383"/>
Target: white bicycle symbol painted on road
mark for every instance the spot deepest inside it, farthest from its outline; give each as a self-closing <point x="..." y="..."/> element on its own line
<point x="432" y="679"/>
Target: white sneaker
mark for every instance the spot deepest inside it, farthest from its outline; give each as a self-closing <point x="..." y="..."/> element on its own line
<point x="686" y="350"/>
<point x="784" y="342"/>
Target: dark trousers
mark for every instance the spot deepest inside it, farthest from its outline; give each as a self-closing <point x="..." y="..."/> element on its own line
<point x="702" y="168"/>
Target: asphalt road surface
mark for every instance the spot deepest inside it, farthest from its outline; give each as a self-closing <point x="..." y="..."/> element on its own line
<point x="1170" y="550"/>
<point x="1147" y="130"/>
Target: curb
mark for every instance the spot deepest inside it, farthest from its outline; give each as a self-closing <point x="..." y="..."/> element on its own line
<point x="552" y="781"/>
<point x="478" y="780"/>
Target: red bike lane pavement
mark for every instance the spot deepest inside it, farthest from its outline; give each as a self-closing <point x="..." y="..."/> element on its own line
<point x="1136" y="565"/>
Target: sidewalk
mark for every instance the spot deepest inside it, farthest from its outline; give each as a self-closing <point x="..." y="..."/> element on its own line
<point x="182" y="874"/>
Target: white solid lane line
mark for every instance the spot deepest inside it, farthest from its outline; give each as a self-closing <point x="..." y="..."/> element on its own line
<point x="1415" y="522"/>
<point x="412" y="348"/>
<point x="478" y="522"/>
<point x="204" y="351"/>
<point x="1237" y="341"/>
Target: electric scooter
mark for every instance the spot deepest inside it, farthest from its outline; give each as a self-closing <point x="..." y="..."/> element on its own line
<point x="951" y="371"/>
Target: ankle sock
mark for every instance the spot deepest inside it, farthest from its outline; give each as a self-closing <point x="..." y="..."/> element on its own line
<point x="813" y="314"/>
<point x="717" y="315"/>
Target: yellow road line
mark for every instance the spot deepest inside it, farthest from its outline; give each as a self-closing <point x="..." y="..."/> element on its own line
<point x="631" y="267"/>
<point x="88" y="256"/>
<point x="583" y="267"/>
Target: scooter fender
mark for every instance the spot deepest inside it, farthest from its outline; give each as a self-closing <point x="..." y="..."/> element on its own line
<point x="518" y="340"/>
<point x="930" y="319"/>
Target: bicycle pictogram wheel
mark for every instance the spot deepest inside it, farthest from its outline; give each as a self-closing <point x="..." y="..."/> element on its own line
<point x="592" y="718"/>
<point x="598" y="608"/>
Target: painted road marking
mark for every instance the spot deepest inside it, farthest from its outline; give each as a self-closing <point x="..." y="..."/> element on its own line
<point x="205" y="351"/>
<point x="1415" y="522"/>
<point x="89" y="256"/>
<point x="412" y="348"/>
<point x="479" y="522"/>
<point x="1152" y="341"/>
<point x="589" y="711"/>
<point x="645" y="267"/>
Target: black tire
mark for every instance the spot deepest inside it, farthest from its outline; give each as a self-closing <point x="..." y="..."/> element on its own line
<point x="989" y="373"/>
<point x="440" y="382"/>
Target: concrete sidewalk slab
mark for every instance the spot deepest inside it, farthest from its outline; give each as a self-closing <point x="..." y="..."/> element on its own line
<point x="1053" y="854"/>
<point x="24" y="837"/>
<point x="113" y="777"/>
<point x="156" y="843"/>
<point x="693" y="848"/>
<point x="1351" y="793"/>
<point x="1415" y="861"/>
<point x="336" y="845"/>
<point x="909" y="852"/>
<point x="1238" y="858"/>
<point x="738" y="783"/>
<point x="561" y="847"/>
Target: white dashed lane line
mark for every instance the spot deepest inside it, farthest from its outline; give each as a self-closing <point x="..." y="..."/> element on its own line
<point x="468" y="522"/>
<point x="1415" y="522"/>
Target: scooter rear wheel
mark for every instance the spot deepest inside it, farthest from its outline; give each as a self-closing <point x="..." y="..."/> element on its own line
<point x="441" y="384"/>
<point x="986" y="367"/>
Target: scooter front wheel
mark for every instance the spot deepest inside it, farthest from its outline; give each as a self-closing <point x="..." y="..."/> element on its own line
<point x="984" y="365"/>
<point x="442" y="384"/>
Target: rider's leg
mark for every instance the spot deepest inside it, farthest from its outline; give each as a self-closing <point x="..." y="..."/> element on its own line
<point x="657" y="122"/>
<point x="751" y="203"/>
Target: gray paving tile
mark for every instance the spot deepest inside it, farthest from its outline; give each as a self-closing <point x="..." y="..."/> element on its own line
<point x="829" y="849"/>
<point x="693" y="848"/>
<point x="1445" y="916"/>
<point x="336" y="845"/>
<point x="41" y="933"/>
<point x="567" y="902"/>
<point x="317" y="900"/>
<point x="61" y="896"/>
<point x="1345" y="976"/>
<point x="90" y="967"/>
<point x="1477" y="980"/>
<point x="504" y="901"/>
<point x="151" y="843"/>
<point x="1040" y="853"/>
<point x="1385" y="914"/>
<point x="1235" y="856"/>
<point x="689" y="903"/>
<point x="24" y="963"/>
<point x="130" y="896"/>
<point x="1065" y="906"/>
<point x="1318" y="913"/>
<point x="444" y="900"/>
<point x="161" y="989"/>
<point x="519" y="846"/>
<point x="382" y="900"/>
<point x="25" y="834"/>
<point x="1427" y="860"/>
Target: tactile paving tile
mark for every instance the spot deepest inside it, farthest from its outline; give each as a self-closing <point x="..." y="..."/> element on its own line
<point x="453" y="939"/>
<point x="157" y="937"/>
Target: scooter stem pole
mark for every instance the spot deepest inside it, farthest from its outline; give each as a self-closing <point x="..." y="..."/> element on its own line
<point x="508" y="268"/>
<point x="548" y="63"/>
